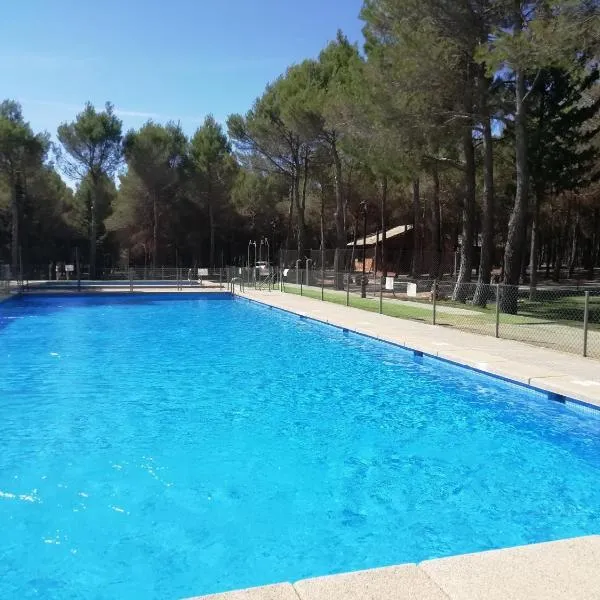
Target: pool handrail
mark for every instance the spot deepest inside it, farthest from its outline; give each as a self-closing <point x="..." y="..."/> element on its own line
<point x="233" y="282"/>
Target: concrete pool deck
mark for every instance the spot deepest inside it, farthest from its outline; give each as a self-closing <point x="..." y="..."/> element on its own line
<point x="558" y="373"/>
<point x="562" y="570"/>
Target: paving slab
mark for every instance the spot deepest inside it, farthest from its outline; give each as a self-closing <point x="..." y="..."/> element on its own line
<point x="477" y="359"/>
<point x="404" y="582"/>
<point x="523" y="372"/>
<point x="280" y="591"/>
<point x="563" y="570"/>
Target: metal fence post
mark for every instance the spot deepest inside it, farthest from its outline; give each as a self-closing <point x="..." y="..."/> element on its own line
<point x="301" y="278"/>
<point x="380" y="296"/>
<point x="497" y="310"/>
<point x="434" y="291"/>
<point x="586" y="318"/>
<point x="308" y="260"/>
<point x="322" y="283"/>
<point x="130" y="279"/>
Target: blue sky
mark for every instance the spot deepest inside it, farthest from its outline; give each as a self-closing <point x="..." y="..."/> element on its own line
<point x="177" y="59"/>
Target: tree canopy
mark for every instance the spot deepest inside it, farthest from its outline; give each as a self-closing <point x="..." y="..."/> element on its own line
<point x="476" y="123"/>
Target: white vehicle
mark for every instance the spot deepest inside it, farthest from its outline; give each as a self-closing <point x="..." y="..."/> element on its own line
<point x="263" y="268"/>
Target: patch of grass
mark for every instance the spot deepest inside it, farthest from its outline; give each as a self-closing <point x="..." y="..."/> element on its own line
<point x="390" y="307"/>
<point x="567" y="310"/>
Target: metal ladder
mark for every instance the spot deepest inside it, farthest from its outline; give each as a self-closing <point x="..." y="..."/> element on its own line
<point x="232" y="283"/>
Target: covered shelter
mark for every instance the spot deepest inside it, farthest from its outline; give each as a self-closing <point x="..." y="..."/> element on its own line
<point x="397" y="252"/>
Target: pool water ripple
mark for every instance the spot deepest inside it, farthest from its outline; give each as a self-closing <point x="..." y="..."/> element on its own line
<point x="163" y="447"/>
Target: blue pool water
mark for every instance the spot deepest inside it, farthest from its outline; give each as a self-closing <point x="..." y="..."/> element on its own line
<point x="164" y="447"/>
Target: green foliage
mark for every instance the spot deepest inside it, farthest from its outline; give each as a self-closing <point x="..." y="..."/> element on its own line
<point x="20" y="148"/>
<point x="213" y="169"/>
<point x="351" y="126"/>
<point x="209" y="148"/>
<point x="91" y="144"/>
<point x="157" y="155"/>
<point x="562" y="156"/>
<point x="259" y="198"/>
<point x="105" y="194"/>
<point x="539" y="34"/>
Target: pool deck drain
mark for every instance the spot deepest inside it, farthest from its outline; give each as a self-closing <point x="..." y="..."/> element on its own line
<point x="562" y="570"/>
<point x="548" y="370"/>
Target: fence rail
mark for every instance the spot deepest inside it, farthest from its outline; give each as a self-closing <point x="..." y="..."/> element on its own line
<point x="564" y="318"/>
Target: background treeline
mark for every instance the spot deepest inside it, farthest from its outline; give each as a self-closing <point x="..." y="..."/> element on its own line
<point x="476" y="121"/>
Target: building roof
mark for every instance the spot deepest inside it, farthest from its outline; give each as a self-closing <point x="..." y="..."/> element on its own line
<point x="375" y="238"/>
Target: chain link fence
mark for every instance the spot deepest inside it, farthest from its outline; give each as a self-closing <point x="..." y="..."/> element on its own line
<point x="131" y="279"/>
<point x="563" y="318"/>
<point x="5" y="280"/>
<point x="559" y="317"/>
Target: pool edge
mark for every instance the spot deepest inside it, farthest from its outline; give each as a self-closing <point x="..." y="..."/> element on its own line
<point x="560" y="570"/>
<point x="552" y="393"/>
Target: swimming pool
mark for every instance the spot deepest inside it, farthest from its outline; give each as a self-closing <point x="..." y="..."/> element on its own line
<point x="164" y="446"/>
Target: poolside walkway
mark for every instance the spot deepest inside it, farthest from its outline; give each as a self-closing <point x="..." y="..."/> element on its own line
<point x="556" y="372"/>
<point x="563" y="570"/>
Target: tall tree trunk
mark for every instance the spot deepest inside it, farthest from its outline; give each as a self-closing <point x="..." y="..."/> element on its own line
<point x="322" y="239"/>
<point x="461" y="289"/>
<point x="93" y="226"/>
<point x="561" y="243"/>
<point x="415" y="270"/>
<point x="15" y="224"/>
<point x="154" y="230"/>
<point x="574" y="244"/>
<point x="595" y="259"/>
<point x="513" y="251"/>
<point x="354" y="245"/>
<point x="211" y="221"/>
<point x="436" y="224"/>
<point x="300" y="202"/>
<point x="340" y="231"/>
<point x="549" y="250"/>
<point x="525" y="256"/>
<point x="290" y="223"/>
<point x="558" y="251"/>
<point x="535" y="241"/>
<point x="384" y="193"/>
<point x="588" y="258"/>
<point x="487" y="230"/>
